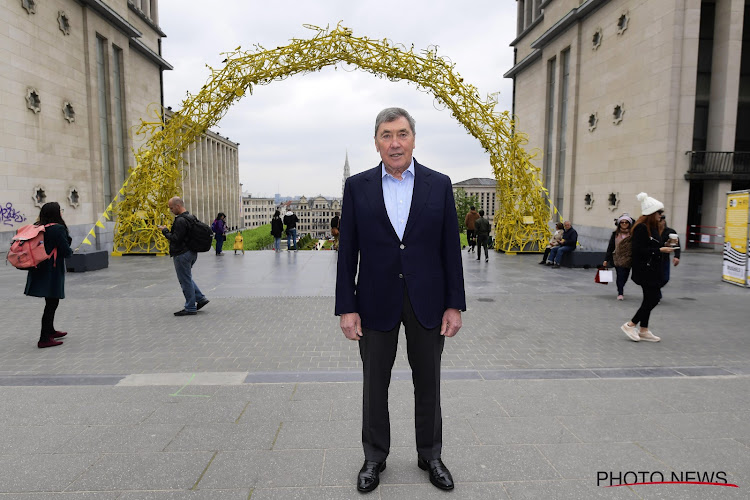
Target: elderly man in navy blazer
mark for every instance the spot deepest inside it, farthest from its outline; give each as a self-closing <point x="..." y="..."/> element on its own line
<point x="399" y="262"/>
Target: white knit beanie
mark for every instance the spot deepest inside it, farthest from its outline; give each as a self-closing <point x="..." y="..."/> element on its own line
<point x="649" y="205"/>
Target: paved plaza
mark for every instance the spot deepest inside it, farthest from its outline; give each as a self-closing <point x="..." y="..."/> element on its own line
<point x="259" y="395"/>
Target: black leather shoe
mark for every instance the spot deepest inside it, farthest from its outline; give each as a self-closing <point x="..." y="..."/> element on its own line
<point x="185" y="312"/>
<point x="369" y="476"/>
<point x="202" y="303"/>
<point x="440" y="476"/>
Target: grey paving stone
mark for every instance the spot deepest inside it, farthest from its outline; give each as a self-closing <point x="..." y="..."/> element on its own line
<point x="196" y="411"/>
<point x="462" y="490"/>
<point x="225" y="437"/>
<point x="34" y="439"/>
<point x="41" y="472"/>
<point x="498" y="463"/>
<point x="239" y="494"/>
<point x="616" y="428"/>
<point x="264" y="469"/>
<point x="583" y="461"/>
<point x="312" y="493"/>
<point x="287" y="411"/>
<point x="521" y="430"/>
<point x="319" y="435"/>
<point x="687" y="492"/>
<point x="143" y="471"/>
<point x="704" y="455"/>
<point x="122" y="439"/>
<point x="79" y="495"/>
<point x="565" y="490"/>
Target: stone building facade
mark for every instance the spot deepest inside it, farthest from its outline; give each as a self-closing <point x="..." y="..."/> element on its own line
<point x="624" y="96"/>
<point x="314" y="215"/>
<point x="76" y="77"/>
<point x="257" y="211"/>
<point x="79" y="77"/>
<point x="485" y="189"/>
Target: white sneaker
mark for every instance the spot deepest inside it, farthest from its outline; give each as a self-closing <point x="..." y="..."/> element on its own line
<point x="631" y="332"/>
<point x="620" y="297"/>
<point x="648" y="336"/>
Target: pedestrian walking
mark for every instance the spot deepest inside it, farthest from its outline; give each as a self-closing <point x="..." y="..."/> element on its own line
<point x="182" y="257"/>
<point x="619" y="252"/>
<point x="47" y="280"/>
<point x="219" y="227"/>
<point x="482" y="228"/>
<point x="390" y="273"/>
<point x="471" y="216"/>
<point x="647" y="267"/>
<point x="277" y="227"/>
<point x="668" y="238"/>
<point x="335" y="230"/>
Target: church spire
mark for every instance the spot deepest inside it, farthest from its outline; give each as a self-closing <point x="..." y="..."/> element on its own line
<point x="346" y="173"/>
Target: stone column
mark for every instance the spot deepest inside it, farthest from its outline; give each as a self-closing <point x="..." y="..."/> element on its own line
<point x="722" y="107"/>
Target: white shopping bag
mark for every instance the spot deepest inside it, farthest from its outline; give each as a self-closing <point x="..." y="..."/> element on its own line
<point x="606" y="276"/>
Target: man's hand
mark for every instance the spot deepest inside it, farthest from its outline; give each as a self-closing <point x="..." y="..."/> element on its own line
<point x="451" y="322"/>
<point x="161" y="228"/>
<point x="676" y="261"/>
<point x="351" y="325"/>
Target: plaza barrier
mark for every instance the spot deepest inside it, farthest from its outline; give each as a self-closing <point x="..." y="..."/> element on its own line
<point x="704" y="235"/>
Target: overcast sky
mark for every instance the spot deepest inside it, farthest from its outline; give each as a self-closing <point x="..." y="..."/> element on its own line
<point x="294" y="134"/>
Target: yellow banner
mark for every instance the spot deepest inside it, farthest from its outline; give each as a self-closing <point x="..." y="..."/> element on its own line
<point x="735" y="269"/>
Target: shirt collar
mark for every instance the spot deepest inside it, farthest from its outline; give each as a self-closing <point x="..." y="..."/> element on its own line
<point x="384" y="173"/>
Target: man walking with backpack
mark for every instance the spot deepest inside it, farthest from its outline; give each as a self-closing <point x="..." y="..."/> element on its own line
<point x="183" y="257"/>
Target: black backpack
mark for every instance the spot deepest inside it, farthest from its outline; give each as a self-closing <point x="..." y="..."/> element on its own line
<point x="200" y="235"/>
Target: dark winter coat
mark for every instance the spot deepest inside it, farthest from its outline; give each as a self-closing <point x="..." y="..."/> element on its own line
<point x="277" y="227"/>
<point x="290" y="221"/>
<point x="664" y="238"/>
<point x="571" y="238"/>
<point x="178" y="235"/>
<point x="48" y="278"/>
<point x="482" y="227"/>
<point x="646" y="258"/>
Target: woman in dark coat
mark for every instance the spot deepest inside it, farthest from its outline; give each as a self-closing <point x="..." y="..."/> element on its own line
<point x="646" y="265"/>
<point x="219" y="227"/>
<point x="277" y="227"/>
<point x="48" y="278"/>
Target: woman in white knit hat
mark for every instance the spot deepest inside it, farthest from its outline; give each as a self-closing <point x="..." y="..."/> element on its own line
<point x="646" y="267"/>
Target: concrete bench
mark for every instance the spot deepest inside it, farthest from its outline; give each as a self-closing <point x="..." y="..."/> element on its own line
<point x="92" y="261"/>
<point x="582" y="258"/>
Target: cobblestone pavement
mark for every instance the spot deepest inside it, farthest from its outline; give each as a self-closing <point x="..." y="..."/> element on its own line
<point x="274" y="313"/>
<point x="542" y="393"/>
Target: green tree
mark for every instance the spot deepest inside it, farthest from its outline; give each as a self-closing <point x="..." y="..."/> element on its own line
<point x="463" y="203"/>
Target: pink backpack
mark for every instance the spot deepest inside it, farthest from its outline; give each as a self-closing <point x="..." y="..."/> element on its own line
<point x="27" y="247"/>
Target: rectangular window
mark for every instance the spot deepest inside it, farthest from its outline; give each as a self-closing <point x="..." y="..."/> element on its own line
<point x="562" y="148"/>
<point x="102" y="91"/>
<point x="550" y="124"/>
<point x="121" y="151"/>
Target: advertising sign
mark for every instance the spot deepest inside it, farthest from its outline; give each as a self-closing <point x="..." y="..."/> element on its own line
<point x="736" y="238"/>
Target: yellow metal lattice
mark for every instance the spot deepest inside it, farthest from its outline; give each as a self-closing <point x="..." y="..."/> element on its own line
<point x="143" y="201"/>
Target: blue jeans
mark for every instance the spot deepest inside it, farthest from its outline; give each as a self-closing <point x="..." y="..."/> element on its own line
<point x="556" y="253"/>
<point x="291" y="233"/>
<point x="277" y="244"/>
<point x="622" y="278"/>
<point x="183" y="265"/>
<point x="220" y="239"/>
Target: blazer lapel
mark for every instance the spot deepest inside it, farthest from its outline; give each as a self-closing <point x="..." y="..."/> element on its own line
<point x="374" y="193"/>
<point x="422" y="186"/>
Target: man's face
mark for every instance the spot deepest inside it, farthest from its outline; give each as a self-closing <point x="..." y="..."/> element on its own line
<point x="395" y="143"/>
<point x="173" y="208"/>
<point x="566" y="225"/>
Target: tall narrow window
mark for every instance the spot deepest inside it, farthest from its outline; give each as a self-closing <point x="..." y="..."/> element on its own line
<point x="121" y="154"/>
<point x="549" y="146"/>
<point x="562" y="150"/>
<point x="101" y="80"/>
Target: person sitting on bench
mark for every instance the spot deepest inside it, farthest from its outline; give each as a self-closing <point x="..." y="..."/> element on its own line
<point x="567" y="244"/>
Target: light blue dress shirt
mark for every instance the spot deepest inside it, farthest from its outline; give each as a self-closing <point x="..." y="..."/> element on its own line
<point x="397" y="196"/>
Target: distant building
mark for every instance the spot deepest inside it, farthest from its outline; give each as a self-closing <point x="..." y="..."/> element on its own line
<point x="315" y="215"/>
<point x="257" y="211"/>
<point x="485" y="190"/>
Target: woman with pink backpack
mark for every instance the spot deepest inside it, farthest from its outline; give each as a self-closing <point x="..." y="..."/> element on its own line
<point x="47" y="279"/>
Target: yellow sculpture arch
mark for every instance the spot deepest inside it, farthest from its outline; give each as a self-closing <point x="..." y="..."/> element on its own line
<point x="524" y="207"/>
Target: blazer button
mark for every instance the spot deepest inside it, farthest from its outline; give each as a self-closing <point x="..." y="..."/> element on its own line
<point x="402" y="246"/>
<point x="400" y="275"/>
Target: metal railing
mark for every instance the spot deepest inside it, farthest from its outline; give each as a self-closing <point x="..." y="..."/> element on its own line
<point x="718" y="165"/>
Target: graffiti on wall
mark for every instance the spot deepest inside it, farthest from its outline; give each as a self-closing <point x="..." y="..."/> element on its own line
<point x="10" y="215"/>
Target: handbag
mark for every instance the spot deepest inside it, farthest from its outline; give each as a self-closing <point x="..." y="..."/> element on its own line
<point x="603" y="275"/>
<point x="334" y="231"/>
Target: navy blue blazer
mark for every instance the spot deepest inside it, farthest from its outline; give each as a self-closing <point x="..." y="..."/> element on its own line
<point x="427" y="261"/>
